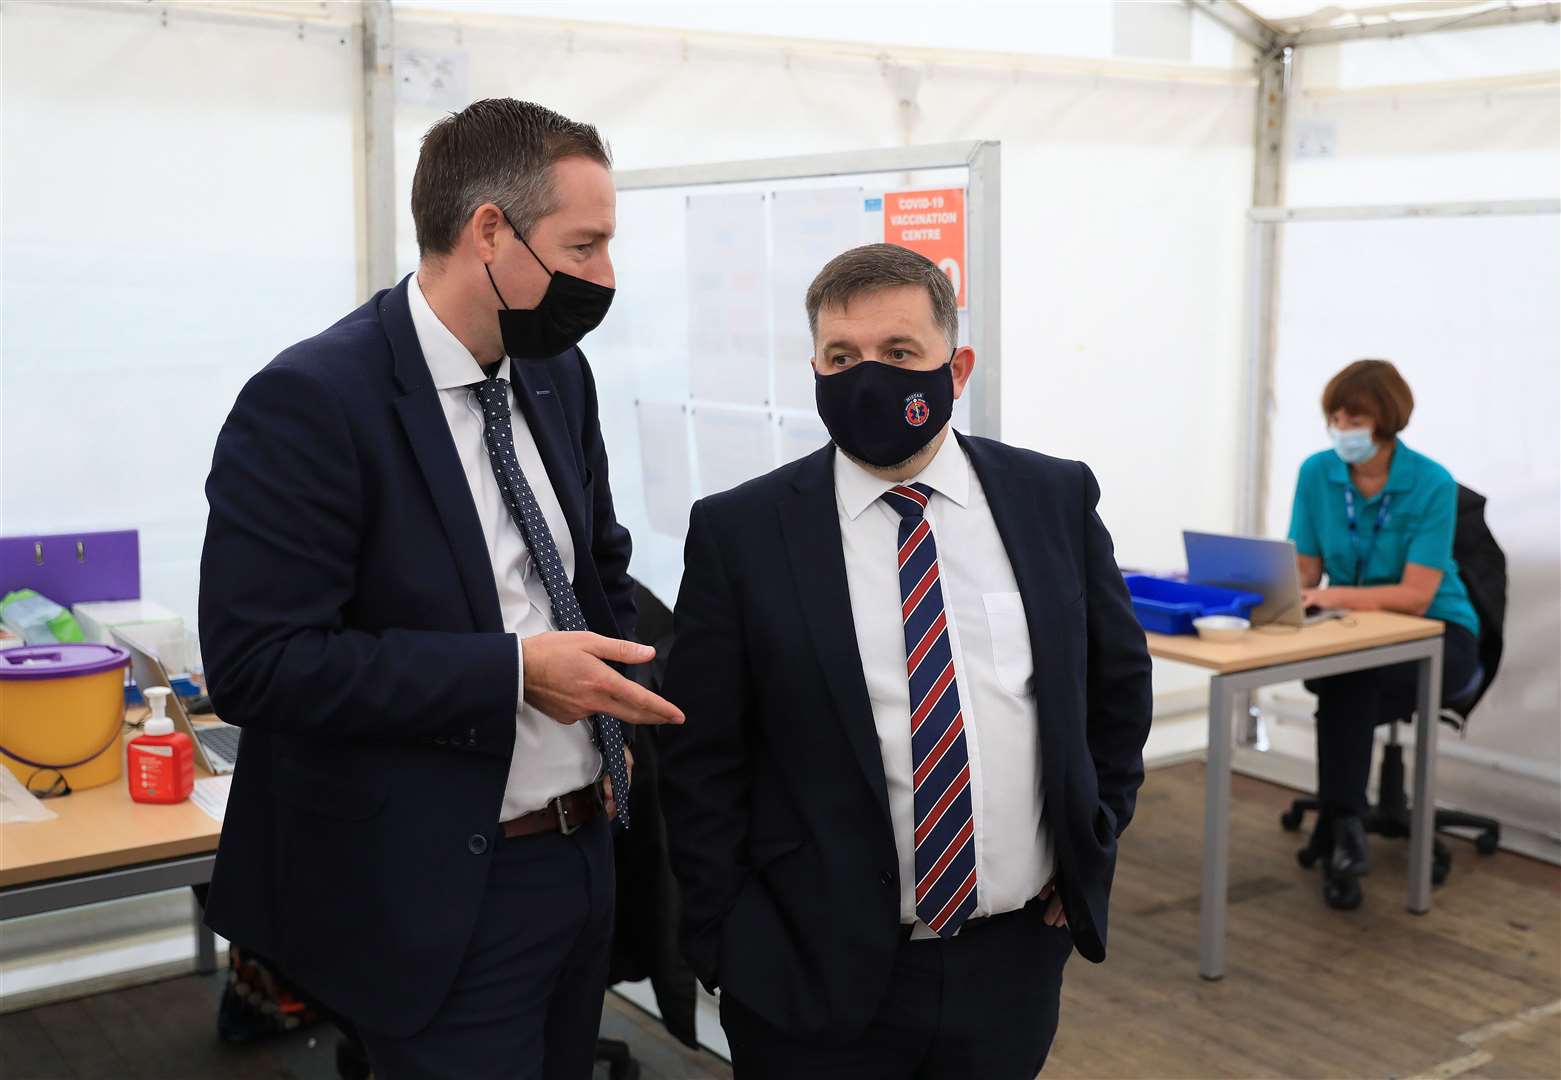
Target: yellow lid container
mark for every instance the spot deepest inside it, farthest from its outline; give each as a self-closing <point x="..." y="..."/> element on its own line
<point x="62" y="714"/>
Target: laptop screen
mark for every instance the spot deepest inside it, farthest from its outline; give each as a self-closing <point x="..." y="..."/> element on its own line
<point x="1251" y="565"/>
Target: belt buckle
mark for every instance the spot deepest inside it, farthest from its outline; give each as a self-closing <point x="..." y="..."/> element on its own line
<point x="565" y="826"/>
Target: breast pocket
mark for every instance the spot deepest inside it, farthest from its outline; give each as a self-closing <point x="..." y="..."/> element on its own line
<point x="1010" y="633"/>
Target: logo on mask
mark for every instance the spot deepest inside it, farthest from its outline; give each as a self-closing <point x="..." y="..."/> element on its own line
<point x="917" y="412"/>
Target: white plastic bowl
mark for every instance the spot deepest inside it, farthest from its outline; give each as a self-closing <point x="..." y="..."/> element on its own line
<point x="1221" y="627"/>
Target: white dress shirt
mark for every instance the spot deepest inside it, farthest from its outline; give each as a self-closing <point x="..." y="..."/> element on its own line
<point x="990" y="640"/>
<point x="550" y="758"/>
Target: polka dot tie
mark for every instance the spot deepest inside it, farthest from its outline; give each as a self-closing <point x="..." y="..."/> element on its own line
<point x="493" y="395"/>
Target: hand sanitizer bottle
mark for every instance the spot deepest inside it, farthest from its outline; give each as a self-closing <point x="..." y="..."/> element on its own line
<point x="161" y="763"/>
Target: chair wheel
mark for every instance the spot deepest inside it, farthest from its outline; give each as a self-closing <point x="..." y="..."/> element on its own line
<point x="1485" y="843"/>
<point x="1290" y="821"/>
<point x="1342" y="893"/>
<point x="1307" y="857"/>
<point x="352" y="1062"/>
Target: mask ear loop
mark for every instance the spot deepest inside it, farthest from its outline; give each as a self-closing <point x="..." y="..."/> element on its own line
<point x="495" y="286"/>
<point x="488" y="270"/>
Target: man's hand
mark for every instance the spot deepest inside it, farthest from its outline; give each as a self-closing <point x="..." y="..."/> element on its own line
<point x="607" y="796"/>
<point x="567" y="679"/>
<point x="1054" y="916"/>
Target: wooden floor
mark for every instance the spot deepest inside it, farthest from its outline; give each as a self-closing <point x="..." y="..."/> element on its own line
<point x="1471" y="990"/>
<point x="168" y="1031"/>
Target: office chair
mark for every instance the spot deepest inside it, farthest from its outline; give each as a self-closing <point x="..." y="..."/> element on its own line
<point x="1391" y="815"/>
<point x="1483" y="566"/>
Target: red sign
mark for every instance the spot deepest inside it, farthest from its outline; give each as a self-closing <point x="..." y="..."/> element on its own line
<point x="932" y="223"/>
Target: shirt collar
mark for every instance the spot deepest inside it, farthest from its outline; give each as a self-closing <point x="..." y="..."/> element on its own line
<point x="1400" y="469"/>
<point x="948" y="474"/>
<point x="450" y="363"/>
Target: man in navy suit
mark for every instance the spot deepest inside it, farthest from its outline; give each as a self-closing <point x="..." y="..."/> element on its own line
<point x="412" y="590"/>
<point x="917" y="701"/>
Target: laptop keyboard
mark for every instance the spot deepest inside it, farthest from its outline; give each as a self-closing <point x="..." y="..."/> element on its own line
<point x="221" y="742"/>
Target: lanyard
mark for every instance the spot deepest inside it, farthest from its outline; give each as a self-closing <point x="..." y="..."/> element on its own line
<point x="1382" y="519"/>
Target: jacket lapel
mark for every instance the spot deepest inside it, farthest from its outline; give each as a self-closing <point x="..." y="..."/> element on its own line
<point x="537" y="398"/>
<point x="429" y="435"/>
<point x="811" y="525"/>
<point x="536" y="395"/>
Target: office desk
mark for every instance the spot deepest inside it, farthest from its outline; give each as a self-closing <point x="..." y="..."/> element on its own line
<point x="106" y="846"/>
<point x="1367" y="639"/>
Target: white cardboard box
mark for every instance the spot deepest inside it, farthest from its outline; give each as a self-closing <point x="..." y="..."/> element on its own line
<point x="148" y="622"/>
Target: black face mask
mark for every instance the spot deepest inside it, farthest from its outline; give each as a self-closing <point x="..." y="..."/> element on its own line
<point x="882" y="414"/>
<point x="570" y="309"/>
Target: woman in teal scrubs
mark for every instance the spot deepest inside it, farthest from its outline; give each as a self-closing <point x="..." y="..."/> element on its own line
<point x="1376" y="518"/>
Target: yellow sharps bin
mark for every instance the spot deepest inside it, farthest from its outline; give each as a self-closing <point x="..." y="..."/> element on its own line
<point x="62" y="714"/>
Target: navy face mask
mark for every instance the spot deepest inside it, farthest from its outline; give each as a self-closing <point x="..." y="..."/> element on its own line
<point x="882" y="414"/>
<point x="570" y="309"/>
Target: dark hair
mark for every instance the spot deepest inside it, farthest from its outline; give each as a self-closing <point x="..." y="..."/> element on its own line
<point x="1371" y="388"/>
<point x="498" y="151"/>
<point x="883" y="266"/>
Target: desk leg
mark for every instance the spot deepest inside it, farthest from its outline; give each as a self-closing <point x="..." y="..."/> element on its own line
<point x="205" y="941"/>
<point x="1216" y="832"/>
<point x="1422" y="832"/>
<point x="1245" y="723"/>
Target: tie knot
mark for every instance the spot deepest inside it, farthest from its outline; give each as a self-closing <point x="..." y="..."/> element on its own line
<point x="908" y="500"/>
<point x="490" y="391"/>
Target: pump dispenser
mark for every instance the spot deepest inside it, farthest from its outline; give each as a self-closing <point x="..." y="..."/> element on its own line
<point x="161" y="760"/>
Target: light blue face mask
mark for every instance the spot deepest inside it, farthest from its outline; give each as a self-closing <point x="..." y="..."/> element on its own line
<point x="1353" y="445"/>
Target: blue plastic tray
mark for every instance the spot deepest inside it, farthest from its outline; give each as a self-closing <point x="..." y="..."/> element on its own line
<point x="1169" y="607"/>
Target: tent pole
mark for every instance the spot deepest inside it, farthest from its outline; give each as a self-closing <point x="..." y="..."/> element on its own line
<point x="377" y="162"/>
<point x="1398" y="28"/>
<point x="1274" y="77"/>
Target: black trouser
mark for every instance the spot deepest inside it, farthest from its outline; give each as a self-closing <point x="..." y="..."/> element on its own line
<point x="982" y="1004"/>
<point x="527" y="1001"/>
<point x="1350" y="707"/>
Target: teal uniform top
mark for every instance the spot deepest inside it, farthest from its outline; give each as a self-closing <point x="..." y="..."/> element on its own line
<point x="1410" y="520"/>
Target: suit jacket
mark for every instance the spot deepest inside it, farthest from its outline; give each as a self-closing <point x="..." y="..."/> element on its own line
<point x="350" y="625"/>
<point x="774" y="790"/>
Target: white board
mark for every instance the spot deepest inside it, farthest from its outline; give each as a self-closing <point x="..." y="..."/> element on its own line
<point x="702" y="366"/>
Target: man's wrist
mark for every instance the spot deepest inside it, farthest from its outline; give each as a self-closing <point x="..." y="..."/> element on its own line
<point x="520" y="673"/>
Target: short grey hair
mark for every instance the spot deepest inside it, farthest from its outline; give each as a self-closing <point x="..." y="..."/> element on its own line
<point x="883" y="266"/>
<point x="500" y="151"/>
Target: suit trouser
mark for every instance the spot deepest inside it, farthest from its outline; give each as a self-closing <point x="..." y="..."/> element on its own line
<point x="527" y="1000"/>
<point x="980" y="1005"/>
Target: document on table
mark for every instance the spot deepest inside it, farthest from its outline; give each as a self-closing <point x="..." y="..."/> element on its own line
<point x="17" y="804"/>
<point x="211" y="795"/>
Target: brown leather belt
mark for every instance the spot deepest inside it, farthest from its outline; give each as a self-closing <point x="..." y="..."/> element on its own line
<point x="564" y="814"/>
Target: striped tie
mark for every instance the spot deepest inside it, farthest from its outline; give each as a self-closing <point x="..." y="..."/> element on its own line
<point x="945" y="824"/>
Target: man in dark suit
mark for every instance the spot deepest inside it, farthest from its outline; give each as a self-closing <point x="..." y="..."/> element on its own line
<point x="412" y="588"/>
<point x="917" y="700"/>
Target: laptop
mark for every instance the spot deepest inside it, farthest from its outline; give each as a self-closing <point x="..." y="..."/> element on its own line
<point x="1252" y="565"/>
<point x="216" y="744"/>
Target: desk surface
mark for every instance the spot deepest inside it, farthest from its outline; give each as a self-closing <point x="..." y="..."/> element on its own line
<point x="102" y="828"/>
<point x="1265" y="647"/>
